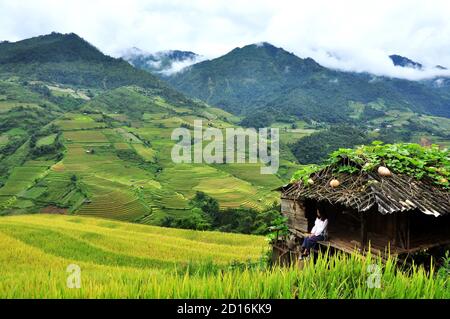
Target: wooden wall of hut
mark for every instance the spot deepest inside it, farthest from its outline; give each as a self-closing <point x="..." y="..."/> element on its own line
<point x="295" y="212"/>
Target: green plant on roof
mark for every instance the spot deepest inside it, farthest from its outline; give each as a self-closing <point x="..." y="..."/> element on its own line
<point x="430" y="163"/>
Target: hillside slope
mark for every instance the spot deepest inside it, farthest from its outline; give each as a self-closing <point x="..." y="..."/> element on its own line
<point x="70" y="144"/>
<point x="111" y="157"/>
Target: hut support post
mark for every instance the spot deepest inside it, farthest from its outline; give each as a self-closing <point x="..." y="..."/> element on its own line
<point x="408" y="231"/>
<point x="363" y="231"/>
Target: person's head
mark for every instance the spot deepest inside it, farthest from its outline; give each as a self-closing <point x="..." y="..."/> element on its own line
<point x="320" y="215"/>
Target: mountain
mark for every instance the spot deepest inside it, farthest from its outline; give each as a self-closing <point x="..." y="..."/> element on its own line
<point x="69" y="59"/>
<point x="402" y="61"/>
<point x="245" y="77"/>
<point x="162" y="62"/>
<point x="265" y="81"/>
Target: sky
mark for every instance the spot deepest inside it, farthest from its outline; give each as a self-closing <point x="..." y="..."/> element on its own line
<point x="348" y="35"/>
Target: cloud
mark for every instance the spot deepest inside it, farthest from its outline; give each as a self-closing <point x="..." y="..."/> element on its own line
<point x="178" y="66"/>
<point x="348" y="35"/>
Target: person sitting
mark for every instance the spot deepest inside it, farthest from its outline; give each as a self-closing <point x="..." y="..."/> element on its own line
<point x="318" y="233"/>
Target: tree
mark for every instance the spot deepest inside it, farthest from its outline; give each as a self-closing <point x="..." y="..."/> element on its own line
<point x="33" y="141"/>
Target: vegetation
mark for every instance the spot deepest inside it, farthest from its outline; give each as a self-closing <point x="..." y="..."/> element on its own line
<point x="315" y="147"/>
<point x="84" y="134"/>
<point x="206" y="215"/>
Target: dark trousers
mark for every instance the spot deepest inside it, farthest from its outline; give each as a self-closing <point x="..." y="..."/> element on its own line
<point x="310" y="242"/>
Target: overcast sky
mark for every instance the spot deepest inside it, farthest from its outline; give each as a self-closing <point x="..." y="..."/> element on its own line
<point x="354" y="35"/>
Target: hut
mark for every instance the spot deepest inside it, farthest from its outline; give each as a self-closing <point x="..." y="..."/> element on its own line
<point x="393" y="213"/>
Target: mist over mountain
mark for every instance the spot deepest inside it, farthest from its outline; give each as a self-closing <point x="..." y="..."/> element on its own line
<point x="161" y="62"/>
<point x="405" y="62"/>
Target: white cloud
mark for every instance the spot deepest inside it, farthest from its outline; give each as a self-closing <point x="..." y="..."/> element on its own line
<point x="178" y="66"/>
<point x="350" y="35"/>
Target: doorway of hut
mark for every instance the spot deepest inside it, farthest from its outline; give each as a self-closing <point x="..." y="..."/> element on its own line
<point x="350" y="230"/>
<point x="427" y="231"/>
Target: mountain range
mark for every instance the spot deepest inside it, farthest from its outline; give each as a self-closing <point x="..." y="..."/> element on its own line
<point x="262" y="77"/>
<point x="260" y="83"/>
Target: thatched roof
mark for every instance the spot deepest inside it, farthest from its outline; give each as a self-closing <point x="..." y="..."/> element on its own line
<point x="363" y="190"/>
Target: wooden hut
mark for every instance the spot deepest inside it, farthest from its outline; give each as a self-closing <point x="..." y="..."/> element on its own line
<point x="397" y="213"/>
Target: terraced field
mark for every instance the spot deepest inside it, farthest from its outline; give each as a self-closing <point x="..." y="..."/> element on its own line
<point x="78" y="122"/>
<point x="233" y="185"/>
<point x="113" y="201"/>
<point x="90" y="136"/>
<point x="145" y="152"/>
<point x="122" y="168"/>
<point x="21" y="178"/>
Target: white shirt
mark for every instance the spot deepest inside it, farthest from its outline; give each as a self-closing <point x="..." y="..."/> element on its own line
<point x="320" y="227"/>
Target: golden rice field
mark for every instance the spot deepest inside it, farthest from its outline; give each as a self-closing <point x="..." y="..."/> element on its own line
<point x="123" y="260"/>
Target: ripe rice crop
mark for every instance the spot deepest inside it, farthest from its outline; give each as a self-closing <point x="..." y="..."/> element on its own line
<point x="121" y="260"/>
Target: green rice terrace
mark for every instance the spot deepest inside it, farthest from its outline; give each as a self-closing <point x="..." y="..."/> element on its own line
<point x="112" y="159"/>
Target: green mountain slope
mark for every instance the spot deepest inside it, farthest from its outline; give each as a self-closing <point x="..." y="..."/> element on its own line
<point x="68" y="59"/>
<point x="269" y="79"/>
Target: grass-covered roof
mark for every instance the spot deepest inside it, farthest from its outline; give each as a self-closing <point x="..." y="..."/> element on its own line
<point x="394" y="177"/>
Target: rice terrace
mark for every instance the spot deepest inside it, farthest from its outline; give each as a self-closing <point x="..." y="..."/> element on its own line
<point x="251" y="172"/>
